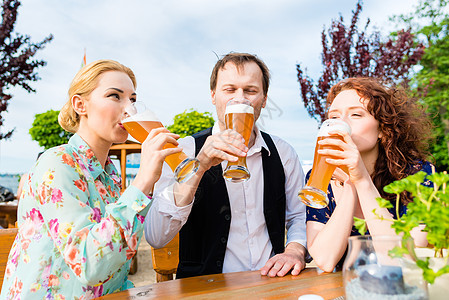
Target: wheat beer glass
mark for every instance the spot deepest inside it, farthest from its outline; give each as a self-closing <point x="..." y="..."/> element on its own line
<point x="140" y="121"/>
<point x="313" y="194"/>
<point x="239" y="116"/>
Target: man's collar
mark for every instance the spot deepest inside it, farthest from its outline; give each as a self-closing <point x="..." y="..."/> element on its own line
<point x="259" y="142"/>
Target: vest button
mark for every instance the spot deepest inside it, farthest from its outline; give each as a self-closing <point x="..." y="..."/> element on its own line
<point x="219" y="263"/>
<point x="223" y="240"/>
<point x="227" y="217"/>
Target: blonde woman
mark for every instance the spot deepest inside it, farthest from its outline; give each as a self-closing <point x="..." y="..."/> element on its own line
<point x="77" y="234"/>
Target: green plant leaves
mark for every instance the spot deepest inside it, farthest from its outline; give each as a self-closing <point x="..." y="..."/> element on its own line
<point x="384" y="203"/>
<point x="360" y="225"/>
<point x="430" y="206"/>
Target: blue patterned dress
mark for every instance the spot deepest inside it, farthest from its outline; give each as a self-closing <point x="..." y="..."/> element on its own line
<point x="323" y="215"/>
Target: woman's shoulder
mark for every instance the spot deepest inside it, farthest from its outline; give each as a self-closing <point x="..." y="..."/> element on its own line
<point x="424" y="166"/>
<point x="57" y="152"/>
<point x="63" y="155"/>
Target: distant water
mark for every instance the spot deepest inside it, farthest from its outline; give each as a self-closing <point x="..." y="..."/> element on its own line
<point x="10" y="181"/>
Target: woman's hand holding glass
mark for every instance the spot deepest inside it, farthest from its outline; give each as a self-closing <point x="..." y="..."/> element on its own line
<point x="152" y="158"/>
<point x="344" y="154"/>
<point x="313" y="194"/>
<point x="140" y="122"/>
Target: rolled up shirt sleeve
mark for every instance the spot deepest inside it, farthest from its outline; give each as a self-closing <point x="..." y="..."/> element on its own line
<point x="295" y="214"/>
<point x="165" y="219"/>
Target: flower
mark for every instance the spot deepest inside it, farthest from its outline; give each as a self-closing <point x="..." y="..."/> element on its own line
<point x="89" y="153"/>
<point x="36" y="216"/>
<point x="16" y="289"/>
<point x="82" y="234"/>
<point x="77" y="269"/>
<point x="48" y="177"/>
<point x="107" y="229"/>
<point x="53" y="280"/>
<point x="71" y="254"/>
<point x="25" y="243"/>
<point x="27" y="229"/>
<point x="35" y="287"/>
<point x="65" y="229"/>
<point x="42" y="190"/>
<point x="66" y="275"/>
<point x="93" y="291"/>
<point x="53" y="225"/>
<point x="26" y="258"/>
<point x="67" y="159"/>
<point x="100" y="188"/>
<point x="10" y="268"/>
<point x="96" y="214"/>
<point x="140" y="218"/>
<point x="80" y="184"/>
<point x="56" y="195"/>
<point x="132" y="244"/>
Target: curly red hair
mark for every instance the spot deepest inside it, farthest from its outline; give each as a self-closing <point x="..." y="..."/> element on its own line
<point x="404" y="126"/>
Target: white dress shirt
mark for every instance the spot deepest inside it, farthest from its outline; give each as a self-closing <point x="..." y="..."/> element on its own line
<point x="248" y="246"/>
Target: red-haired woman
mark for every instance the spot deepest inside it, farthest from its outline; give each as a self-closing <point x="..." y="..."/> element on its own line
<point x="388" y="142"/>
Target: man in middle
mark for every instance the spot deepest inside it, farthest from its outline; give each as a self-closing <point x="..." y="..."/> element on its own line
<point x="231" y="227"/>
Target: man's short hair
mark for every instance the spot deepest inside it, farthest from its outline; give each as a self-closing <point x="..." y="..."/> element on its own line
<point x="239" y="59"/>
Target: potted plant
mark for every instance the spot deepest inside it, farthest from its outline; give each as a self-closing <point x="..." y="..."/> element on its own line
<point x="430" y="206"/>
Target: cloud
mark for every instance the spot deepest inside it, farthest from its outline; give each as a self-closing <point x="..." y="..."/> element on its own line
<point x="171" y="46"/>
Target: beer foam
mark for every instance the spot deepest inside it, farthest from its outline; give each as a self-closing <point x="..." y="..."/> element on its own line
<point x="239" y="109"/>
<point x="145" y="116"/>
<point x="332" y="125"/>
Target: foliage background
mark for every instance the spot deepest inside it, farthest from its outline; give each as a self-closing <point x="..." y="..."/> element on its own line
<point x="47" y="131"/>
<point x="190" y="122"/>
<point x="17" y="66"/>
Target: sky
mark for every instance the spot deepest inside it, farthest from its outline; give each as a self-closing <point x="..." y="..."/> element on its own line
<point x="172" y="47"/>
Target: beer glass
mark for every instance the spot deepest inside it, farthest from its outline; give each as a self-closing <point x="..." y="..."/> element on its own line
<point x="239" y="115"/>
<point x="314" y="193"/>
<point x="140" y="121"/>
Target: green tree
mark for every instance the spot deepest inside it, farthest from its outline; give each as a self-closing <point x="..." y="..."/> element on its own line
<point x="190" y="122"/>
<point x="430" y="22"/>
<point x="47" y="131"/>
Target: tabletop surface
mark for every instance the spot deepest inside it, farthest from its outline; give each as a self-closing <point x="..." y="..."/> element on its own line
<point x="241" y="285"/>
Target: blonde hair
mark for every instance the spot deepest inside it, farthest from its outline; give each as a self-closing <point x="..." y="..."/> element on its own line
<point x="84" y="82"/>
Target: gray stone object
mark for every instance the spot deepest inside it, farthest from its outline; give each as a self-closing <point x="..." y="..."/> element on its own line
<point x="382" y="279"/>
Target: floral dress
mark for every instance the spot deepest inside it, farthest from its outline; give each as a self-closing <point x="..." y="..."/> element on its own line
<point x="77" y="235"/>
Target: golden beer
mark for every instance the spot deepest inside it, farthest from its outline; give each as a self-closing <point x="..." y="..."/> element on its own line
<point x="139" y="126"/>
<point x="314" y="193"/>
<point x="239" y="116"/>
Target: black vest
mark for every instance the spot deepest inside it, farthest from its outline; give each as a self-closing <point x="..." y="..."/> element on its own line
<point x="203" y="238"/>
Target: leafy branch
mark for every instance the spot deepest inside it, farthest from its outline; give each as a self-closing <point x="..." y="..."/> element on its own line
<point x="430" y="206"/>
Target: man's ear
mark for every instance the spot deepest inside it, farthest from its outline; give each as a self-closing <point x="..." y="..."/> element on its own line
<point x="264" y="101"/>
<point x="79" y="105"/>
<point x="212" y="95"/>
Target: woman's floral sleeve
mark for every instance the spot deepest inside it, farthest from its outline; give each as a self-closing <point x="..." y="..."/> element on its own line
<point x="93" y="231"/>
